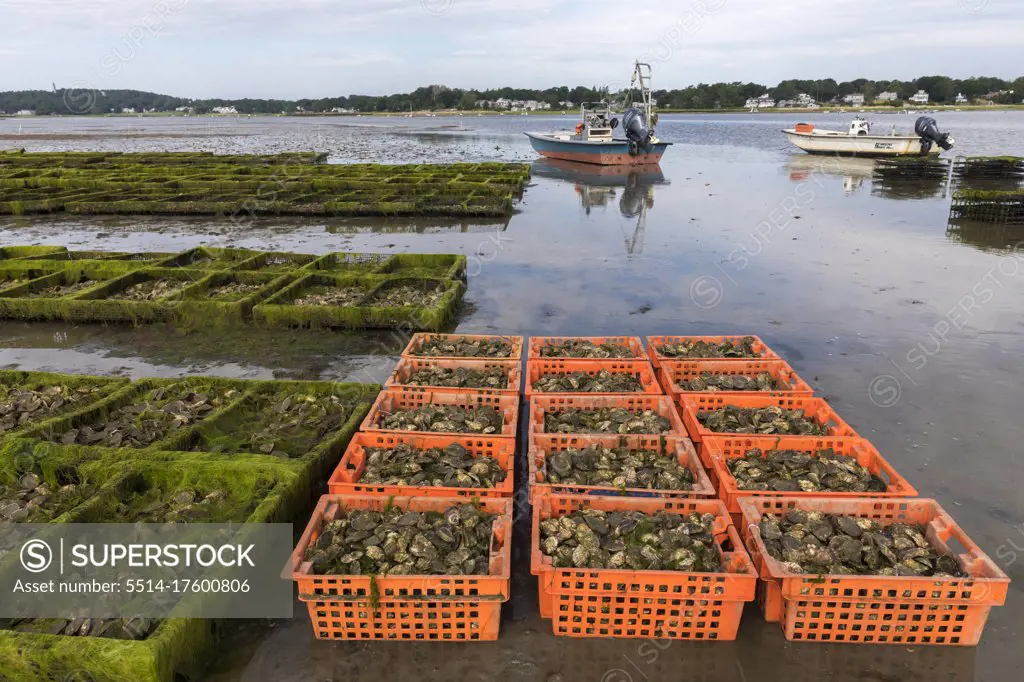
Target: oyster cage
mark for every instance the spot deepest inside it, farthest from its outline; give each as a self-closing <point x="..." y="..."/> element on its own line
<point x="194" y="184"/>
<point x="258" y="287"/>
<point x="1000" y="208"/>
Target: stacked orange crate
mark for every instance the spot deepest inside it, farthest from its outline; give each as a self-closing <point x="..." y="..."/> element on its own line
<point x="607" y="602"/>
<point x="460" y="607"/>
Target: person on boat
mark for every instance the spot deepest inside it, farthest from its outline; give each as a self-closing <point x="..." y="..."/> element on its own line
<point x="579" y="128"/>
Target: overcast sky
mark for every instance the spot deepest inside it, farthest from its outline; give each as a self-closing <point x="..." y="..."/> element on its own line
<point x="314" y="48"/>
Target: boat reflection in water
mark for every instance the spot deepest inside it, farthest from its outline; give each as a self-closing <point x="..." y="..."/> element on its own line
<point x="600" y="186"/>
<point x="854" y="171"/>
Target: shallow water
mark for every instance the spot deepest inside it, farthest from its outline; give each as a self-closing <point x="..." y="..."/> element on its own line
<point x="912" y="328"/>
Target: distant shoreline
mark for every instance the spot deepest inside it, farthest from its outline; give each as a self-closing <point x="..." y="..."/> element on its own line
<point x="490" y="112"/>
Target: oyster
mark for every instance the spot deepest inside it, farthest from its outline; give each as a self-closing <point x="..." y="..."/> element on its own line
<point x="333" y="296"/>
<point x="460" y="377"/>
<point x="401" y="295"/>
<point x="704" y="349"/>
<point x="287" y="425"/>
<point x="605" y="420"/>
<point x="444" y="419"/>
<point x="602" y="381"/>
<point x="619" y="468"/>
<point x="19" y="406"/>
<point x="152" y="418"/>
<point x="32" y="500"/>
<point x="632" y="540"/>
<point x="712" y="383"/>
<point x="462" y="347"/>
<point x="233" y="291"/>
<point x="13" y="282"/>
<point x="799" y="471"/>
<point x="59" y="290"/>
<point x="451" y="467"/>
<point x="761" y="420"/>
<point x="578" y="348"/>
<point x="136" y="629"/>
<point x="150" y="290"/>
<point x="817" y="543"/>
<point x="187" y="504"/>
<point x="398" y="542"/>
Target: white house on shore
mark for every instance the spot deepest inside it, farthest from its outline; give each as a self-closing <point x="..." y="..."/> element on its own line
<point x="765" y="101"/>
<point x="887" y="97"/>
<point x="25" y="112"/>
<point x="961" y="98"/>
<point x="920" y="97"/>
<point x="806" y="101"/>
<point x="854" y="100"/>
<point x="233" y="110"/>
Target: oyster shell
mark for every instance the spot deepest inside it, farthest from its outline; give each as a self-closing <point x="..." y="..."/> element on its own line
<point x="632" y="540"/>
<point x="32" y="500"/>
<point x="153" y="417"/>
<point x="818" y="543"/>
<point x="601" y="381"/>
<point x="619" y="468"/>
<point x="713" y="383"/>
<point x="462" y="347"/>
<point x="150" y="290"/>
<point x="401" y="295"/>
<point x="704" y="349"/>
<point x="451" y="467"/>
<point x="605" y="420"/>
<point x="799" y="471"/>
<point x="233" y="291"/>
<point x="59" y="290"/>
<point x="460" y="377"/>
<point x="578" y="348"/>
<point x="135" y="629"/>
<point x="290" y="425"/>
<point x="762" y="420"/>
<point x="20" y="406"/>
<point x="398" y="542"/>
<point x="329" y="295"/>
<point x="444" y="419"/>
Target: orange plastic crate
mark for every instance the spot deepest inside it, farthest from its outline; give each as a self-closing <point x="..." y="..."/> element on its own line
<point x="878" y="609"/>
<point x="407" y="620"/>
<point x="404" y="607"/>
<point x="656" y="342"/>
<point x="720" y="449"/>
<point x="419" y="339"/>
<point x="542" y="403"/>
<point x="406" y="367"/>
<point x="690" y="404"/>
<point x="642" y="369"/>
<point x="396" y="400"/>
<point x="634" y="343"/>
<point x="345" y="479"/>
<point x="672" y="372"/>
<point x="660" y="604"/>
<point x="543" y="445"/>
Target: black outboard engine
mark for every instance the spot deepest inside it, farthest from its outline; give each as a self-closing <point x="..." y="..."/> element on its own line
<point x="634" y="123"/>
<point x="928" y="130"/>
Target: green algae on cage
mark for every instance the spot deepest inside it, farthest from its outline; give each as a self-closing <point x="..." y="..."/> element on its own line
<point x="248" y="492"/>
<point x="276" y="262"/>
<point x="283" y="309"/>
<point x="54" y="296"/>
<point x="139" y="415"/>
<point x="226" y="297"/>
<point x="989" y="206"/>
<point x="15" y="252"/>
<point x="228" y="186"/>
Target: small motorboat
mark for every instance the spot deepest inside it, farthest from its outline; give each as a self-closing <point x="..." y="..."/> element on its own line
<point x="859" y="141"/>
<point x="592" y="141"/>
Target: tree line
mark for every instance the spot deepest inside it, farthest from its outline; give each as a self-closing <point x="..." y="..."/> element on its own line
<point x="942" y="90"/>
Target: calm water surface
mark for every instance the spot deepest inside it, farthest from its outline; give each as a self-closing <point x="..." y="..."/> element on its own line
<point x="911" y="327"/>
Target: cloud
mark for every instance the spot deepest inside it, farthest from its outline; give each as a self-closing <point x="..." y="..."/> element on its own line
<point x="215" y="47"/>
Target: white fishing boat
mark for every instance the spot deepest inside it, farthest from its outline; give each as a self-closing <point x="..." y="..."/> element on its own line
<point x="860" y="141"/>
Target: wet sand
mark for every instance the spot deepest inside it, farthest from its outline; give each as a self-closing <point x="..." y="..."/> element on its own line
<point x="911" y="327"/>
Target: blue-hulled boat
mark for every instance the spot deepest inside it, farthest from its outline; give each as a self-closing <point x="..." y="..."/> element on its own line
<point x="593" y="142"/>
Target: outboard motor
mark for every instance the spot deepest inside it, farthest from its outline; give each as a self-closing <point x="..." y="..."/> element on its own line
<point x="634" y="123"/>
<point x="928" y="130"/>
